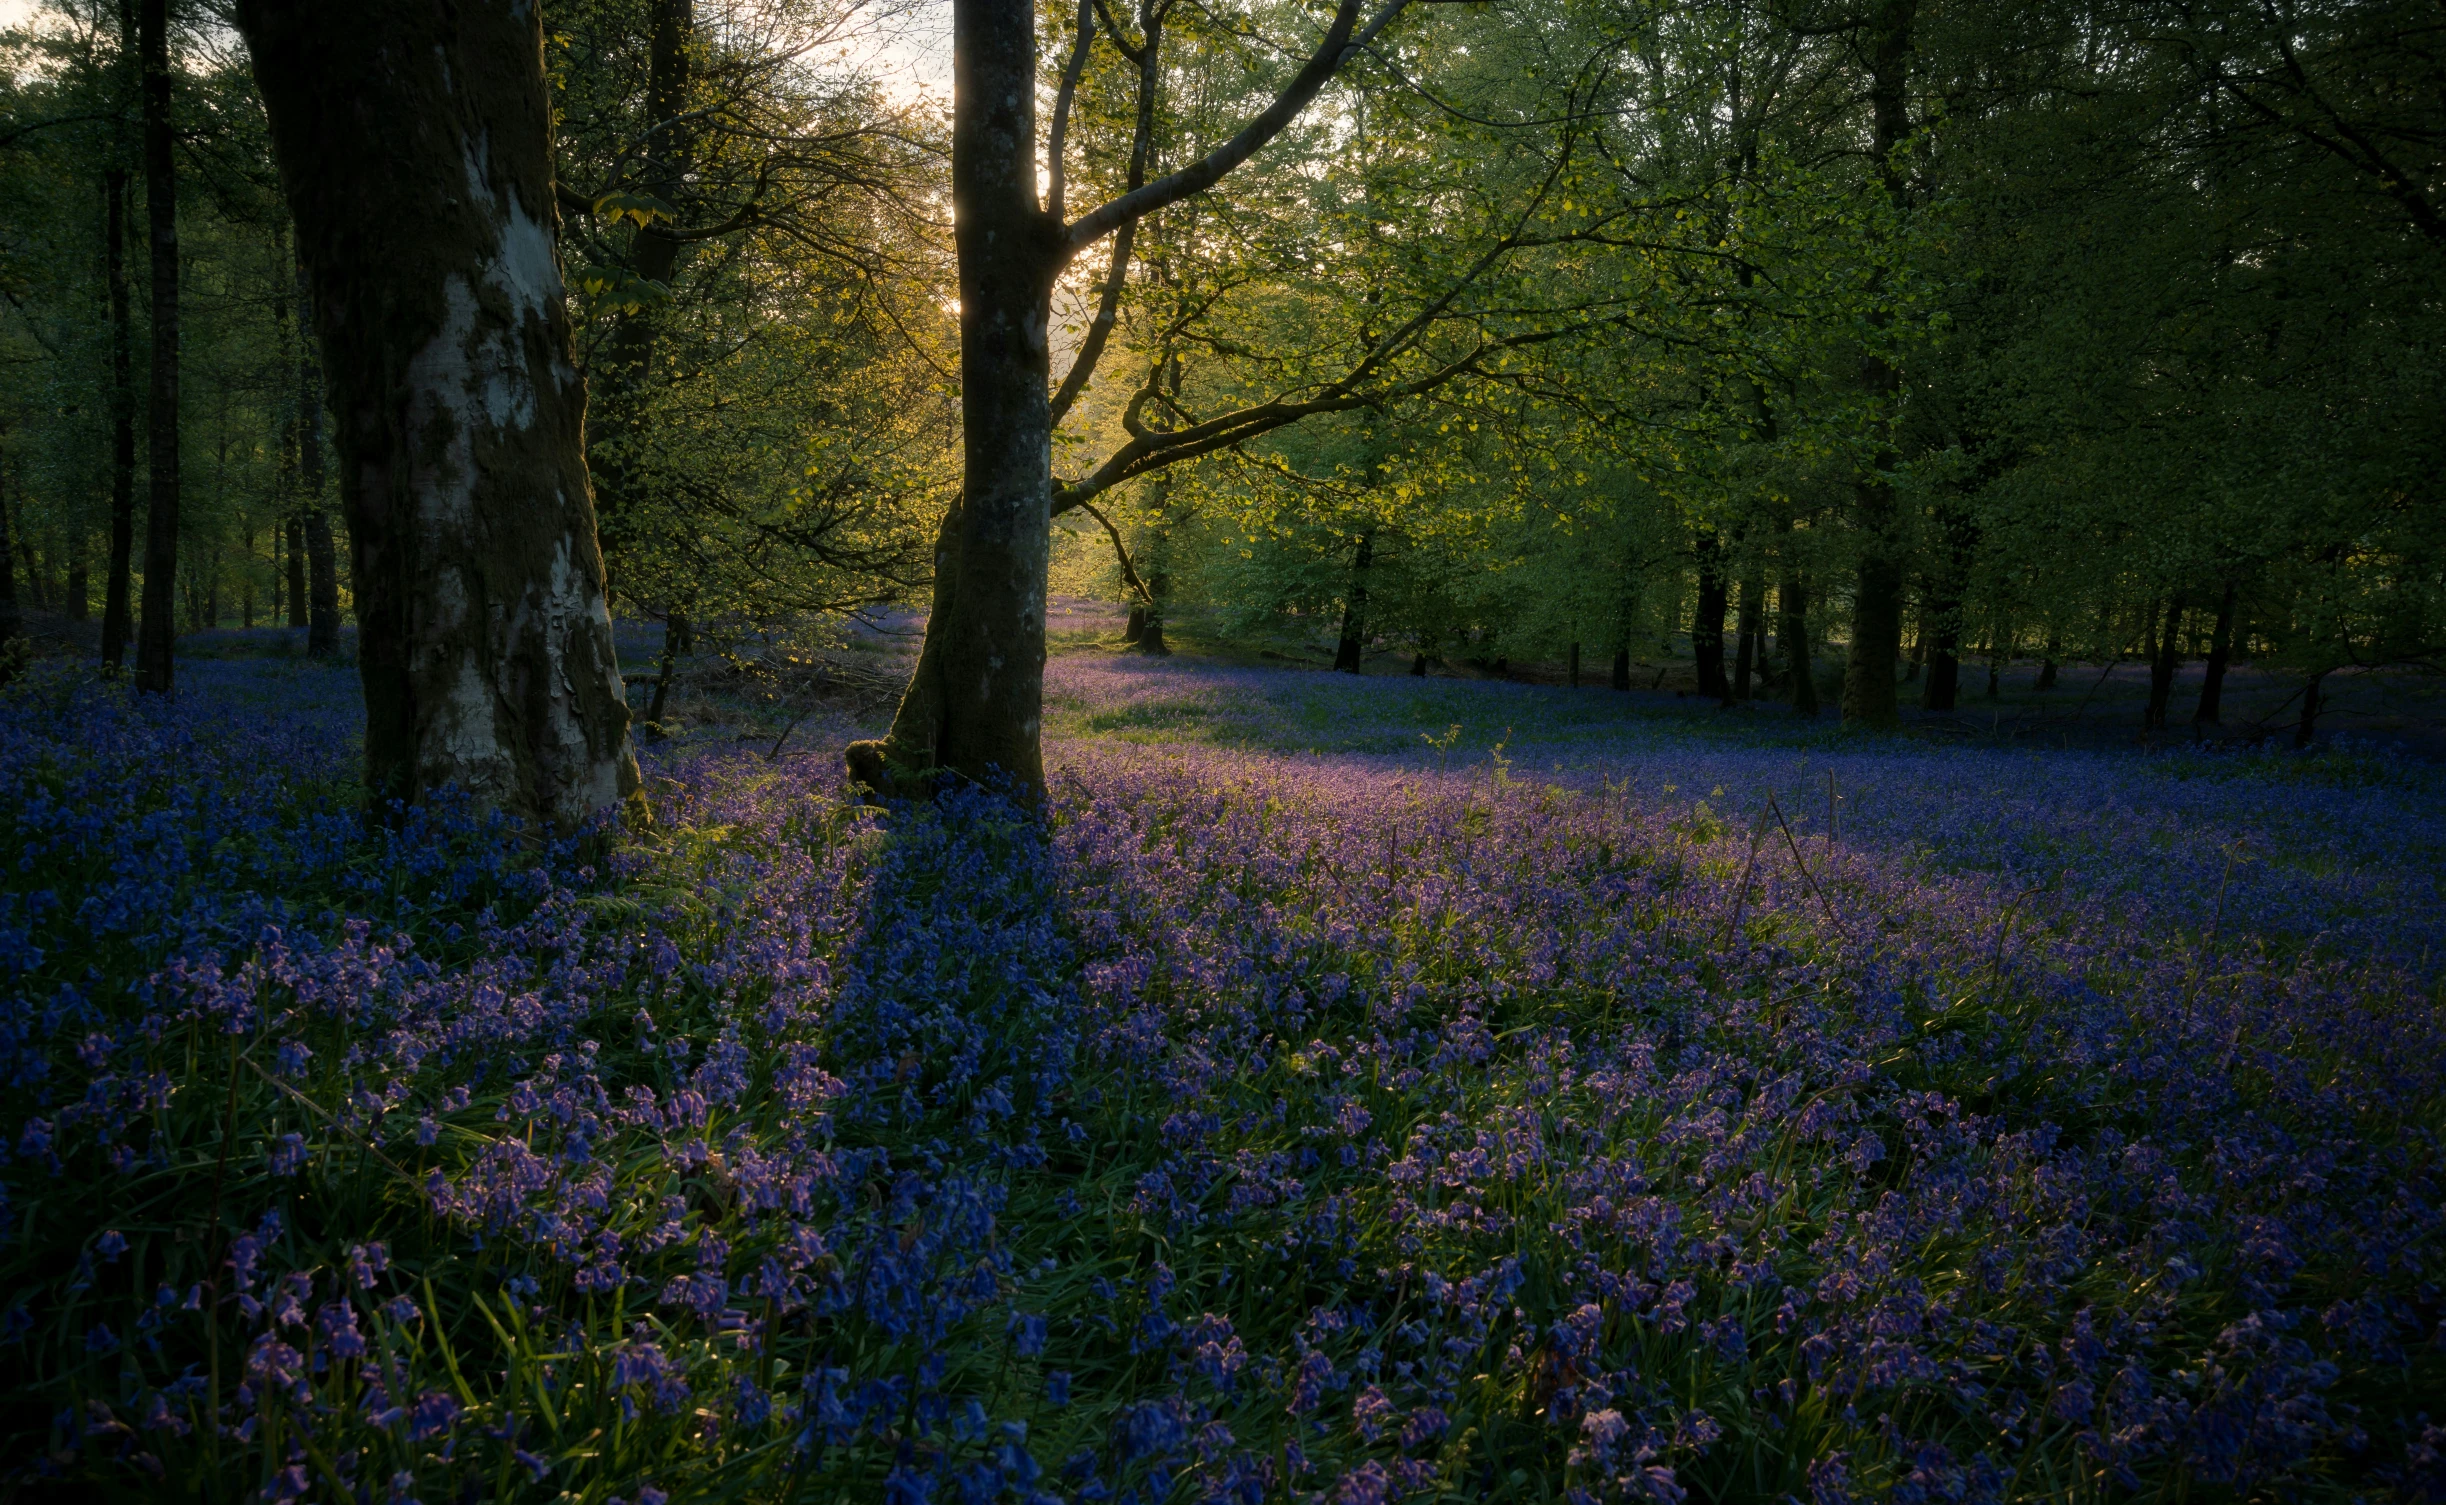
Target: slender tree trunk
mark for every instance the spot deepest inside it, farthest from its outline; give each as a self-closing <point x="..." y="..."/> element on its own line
<point x="2046" y="667"/>
<point x="623" y="374"/>
<point x="2162" y="664"/>
<point x="2220" y="653"/>
<point x="33" y="573"/>
<point x="414" y="142"/>
<point x="1707" y="620"/>
<point x="1748" y="655"/>
<point x="246" y="586"/>
<point x="1941" y="613"/>
<point x="1999" y="653"/>
<point x="1622" y="667"/>
<point x="1574" y="671"/>
<point x="674" y="640"/>
<point x="294" y="531"/>
<point x="1792" y="602"/>
<point x="116" y="617"/>
<point x="157" y="628"/>
<point x="1151" y="642"/>
<point x="11" y="621"/>
<point x="1876" y="630"/>
<point x="80" y="583"/>
<point x="1346" y="654"/>
<point x="1418" y="667"/>
<point x="1137" y="627"/>
<point x="2306" y="730"/>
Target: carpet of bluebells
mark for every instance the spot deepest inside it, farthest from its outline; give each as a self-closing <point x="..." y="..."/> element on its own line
<point x="1333" y="1097"/>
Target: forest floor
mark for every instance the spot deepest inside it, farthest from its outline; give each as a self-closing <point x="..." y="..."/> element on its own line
<point x="1354" y="1089"/>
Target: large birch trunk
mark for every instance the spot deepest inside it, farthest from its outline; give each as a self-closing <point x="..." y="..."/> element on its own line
<point x="414" y="142"/>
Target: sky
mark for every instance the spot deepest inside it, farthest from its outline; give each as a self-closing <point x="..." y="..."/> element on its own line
<point x="912" y="49"/>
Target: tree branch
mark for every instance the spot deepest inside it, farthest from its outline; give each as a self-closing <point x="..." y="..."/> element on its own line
<point x="1142" y="144"/>
<point x="1339" y="45"/>
<point x="1129" y="572"/>
<point x="1060" y="132"/>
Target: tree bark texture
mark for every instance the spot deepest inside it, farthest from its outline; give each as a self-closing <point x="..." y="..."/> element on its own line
<point x="974" y="704"/>
<point x="1622" y="668"/>
<point x="2220" y="654"/>
<point x="1707" y="620"/>
<point x="157" y="627"/>
<point x="115" y="586"/>
<point x="1347" y="654"/>
<point x="414" y="142"/>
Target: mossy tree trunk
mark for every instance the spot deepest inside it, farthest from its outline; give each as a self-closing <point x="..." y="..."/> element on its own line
<point x="414" y="142"/>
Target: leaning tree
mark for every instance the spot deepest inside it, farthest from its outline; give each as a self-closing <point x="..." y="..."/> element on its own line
<point x="414" y="143"/>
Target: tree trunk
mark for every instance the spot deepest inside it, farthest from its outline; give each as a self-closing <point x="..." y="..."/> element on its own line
<point x="294" y="531"/>
<point x="33" y="573"/>
<point x="1876" y="630"/>
<point x="1941" y="614"/>
<point x="157" y="628"/>
<point x="2220" y="653"/>
<point x="1622" y="668"/>
<point x="2306" y="730"/>
<point x="1999" y="653"/>
<point x="1159" y="590"/>
<point x="1575" y="663"/>
<point x="622" y="375"/>
<point x="79" y="604"/>
<point x="322" y="556"/>
<point x="414" y="142"/>
<point x="674" y="639"/>
<point x="1749" y="656"/>
<point x="975" y="702"/>
<point x="11" y="623"/>
<point x="1137" y="627"/>
<point x="1346" y="653"/>
<point x="115" y="585"/>
<point x="1791" y="599"/>
<point x="1707" y="620"/>
<point x="1919" y="647"/>
<point x="2162" y="664"/>
<point x="2046" y="666"/>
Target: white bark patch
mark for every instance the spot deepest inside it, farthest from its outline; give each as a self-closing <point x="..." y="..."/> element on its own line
<point x="440" y="378"/>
